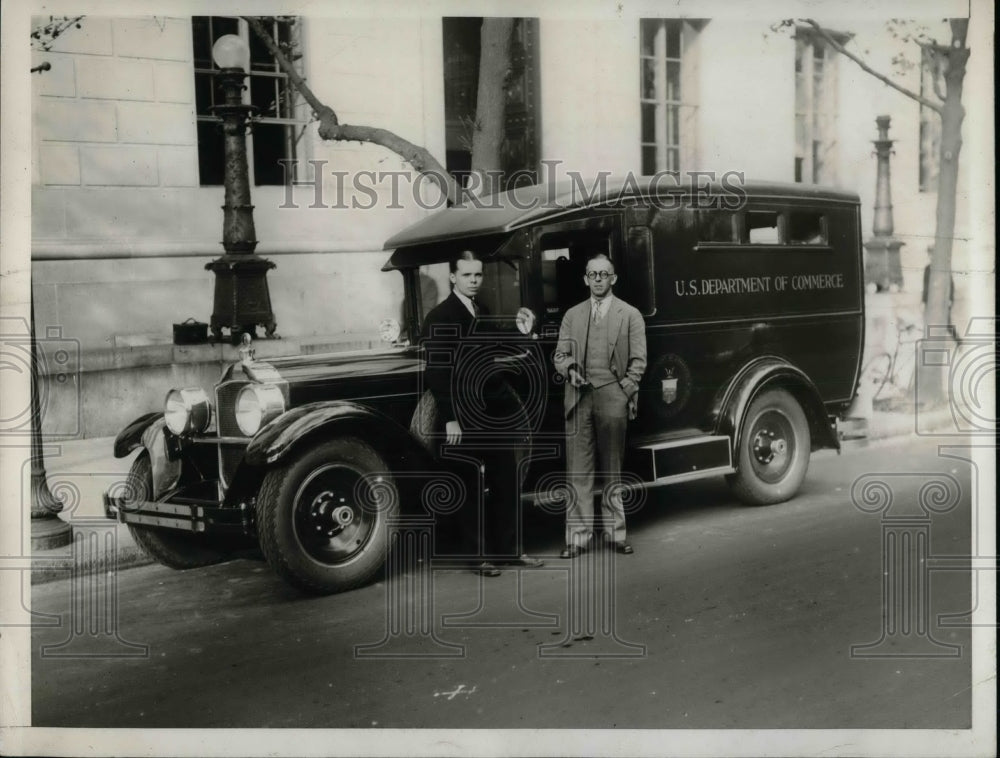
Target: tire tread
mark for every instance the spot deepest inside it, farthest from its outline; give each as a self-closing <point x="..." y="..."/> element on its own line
<point x="267" y="513"/>
<point x="170" y="547"/>
<point x="743" y="484"/>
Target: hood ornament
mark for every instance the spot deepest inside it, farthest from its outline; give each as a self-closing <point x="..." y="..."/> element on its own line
<point x="246" y="352"/>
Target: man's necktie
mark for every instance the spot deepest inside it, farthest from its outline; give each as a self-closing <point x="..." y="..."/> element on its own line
<point x="475" y="307"/>
<point x="597" y="311"/>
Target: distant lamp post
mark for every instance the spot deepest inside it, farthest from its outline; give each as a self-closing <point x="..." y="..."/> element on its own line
<point x="242" y="301"/>
<point x="883" y="267"/>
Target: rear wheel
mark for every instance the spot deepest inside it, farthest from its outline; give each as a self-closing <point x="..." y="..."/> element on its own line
<point x="322" y="518"/>
<point x="773" y="451"/>
<point x="171" y="547"/>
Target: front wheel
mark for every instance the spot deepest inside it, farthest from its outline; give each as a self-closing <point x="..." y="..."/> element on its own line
<point x="773" y="450"/>
<point x="322" y="518"/>
<point x="173" y="548"/>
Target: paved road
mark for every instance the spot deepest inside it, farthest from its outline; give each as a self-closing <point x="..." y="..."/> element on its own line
<point x="725" y="617"/>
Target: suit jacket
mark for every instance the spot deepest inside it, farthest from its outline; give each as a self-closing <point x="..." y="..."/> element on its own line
<point x="627" y="353"/>
<point x="447" y="325"/>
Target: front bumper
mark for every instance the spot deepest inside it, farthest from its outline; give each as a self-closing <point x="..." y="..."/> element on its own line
<point x="197" y="517"/>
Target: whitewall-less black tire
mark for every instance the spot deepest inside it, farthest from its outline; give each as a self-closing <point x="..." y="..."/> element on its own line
<point x="322" y="517"/>
<point x="772" y="455"/>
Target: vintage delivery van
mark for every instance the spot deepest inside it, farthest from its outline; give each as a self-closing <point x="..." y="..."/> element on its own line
<point x="752" y="296"/>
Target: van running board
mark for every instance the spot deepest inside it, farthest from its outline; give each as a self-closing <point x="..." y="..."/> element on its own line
<point x="668" y="460"/>
<point x="680" y="459"/>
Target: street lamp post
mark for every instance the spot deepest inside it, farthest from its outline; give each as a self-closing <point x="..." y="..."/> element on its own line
<point x="883" y="268"/>
<point x="48" y="531"/>
<point x="242" y="301"/>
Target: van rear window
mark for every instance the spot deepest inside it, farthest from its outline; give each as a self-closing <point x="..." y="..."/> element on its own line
<point x="806" y="228"/>
<point x="762" y="228"/>
<point x="716" y="226"/>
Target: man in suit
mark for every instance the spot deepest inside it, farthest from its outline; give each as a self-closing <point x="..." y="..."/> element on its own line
<point x="471" y="400"/>
<point x="602" y="354"/>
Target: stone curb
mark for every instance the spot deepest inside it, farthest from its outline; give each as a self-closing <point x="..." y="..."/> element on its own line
<point x="61" y="564"/>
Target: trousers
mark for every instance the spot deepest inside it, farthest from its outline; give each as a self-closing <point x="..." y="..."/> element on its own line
<point x="595" y="433"/>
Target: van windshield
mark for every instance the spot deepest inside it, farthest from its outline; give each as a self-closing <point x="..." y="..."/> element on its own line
<point x="500" y="292"/>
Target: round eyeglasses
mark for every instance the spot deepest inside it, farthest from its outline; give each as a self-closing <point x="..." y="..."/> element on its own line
<point x="595" y="275"/>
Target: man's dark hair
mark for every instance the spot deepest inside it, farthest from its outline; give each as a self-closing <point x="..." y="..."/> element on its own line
<point x="465" y="255"/>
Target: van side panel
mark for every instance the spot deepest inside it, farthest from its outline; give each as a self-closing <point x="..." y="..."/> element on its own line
<point x="778" y="277"/>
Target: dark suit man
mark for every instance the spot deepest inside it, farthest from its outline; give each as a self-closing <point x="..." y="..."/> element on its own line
<point x="602" y="354"/>
<point x="470" y="401"/>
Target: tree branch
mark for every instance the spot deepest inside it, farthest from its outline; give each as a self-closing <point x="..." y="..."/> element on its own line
<point x="330" y="127"/>
<point x="936" y="107"/>
<point x="319" y="108"/>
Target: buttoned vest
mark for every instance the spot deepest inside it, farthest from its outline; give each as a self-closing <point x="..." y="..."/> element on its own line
<point x="599" y="352"/>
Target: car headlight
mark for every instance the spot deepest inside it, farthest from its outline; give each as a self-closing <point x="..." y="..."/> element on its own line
<point x="187" y="411"/>
<point x="256" y="405"/>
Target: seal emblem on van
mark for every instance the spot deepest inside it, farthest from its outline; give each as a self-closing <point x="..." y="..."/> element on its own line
<point x="669" y="387"/>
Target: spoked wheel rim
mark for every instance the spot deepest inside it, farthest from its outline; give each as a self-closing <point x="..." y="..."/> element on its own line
<point x="771" y="444"/>
<point x="333" y="517"/>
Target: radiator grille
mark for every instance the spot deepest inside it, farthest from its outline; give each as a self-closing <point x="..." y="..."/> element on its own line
<point x="230" y="456"/>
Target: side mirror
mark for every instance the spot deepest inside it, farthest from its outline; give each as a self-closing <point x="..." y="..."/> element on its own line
<point x="389" y="330"/>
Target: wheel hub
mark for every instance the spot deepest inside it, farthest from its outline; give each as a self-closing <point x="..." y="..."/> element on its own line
<point x="767" y="444"/>
<point x="331" y="520"/>
<point x="772" y="445"/>
<point x="343" y="515"/>
<point x="330" y="514"/>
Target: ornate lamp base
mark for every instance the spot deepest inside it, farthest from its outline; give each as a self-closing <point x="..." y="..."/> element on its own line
<point x="48" y="531"/>
<point x="242" y="300"/>
<point x="882" y="263"/>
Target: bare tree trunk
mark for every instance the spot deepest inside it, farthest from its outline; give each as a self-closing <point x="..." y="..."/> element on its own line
<point x="937" y="312"/>
<point x="938" y="309"/>
<point x="487" y="138"/>
<point x="331" y="129"/>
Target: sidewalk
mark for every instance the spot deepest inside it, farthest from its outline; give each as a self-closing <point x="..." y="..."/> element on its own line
<point x="83" y="469"/>
<point x="79" y="474"/>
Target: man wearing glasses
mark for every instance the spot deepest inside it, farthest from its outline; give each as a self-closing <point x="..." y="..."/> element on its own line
<point x="602" y="354"/>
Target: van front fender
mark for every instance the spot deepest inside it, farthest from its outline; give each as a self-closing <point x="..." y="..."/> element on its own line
<point x="130" y="437"/>
<point x="731" y="404"/>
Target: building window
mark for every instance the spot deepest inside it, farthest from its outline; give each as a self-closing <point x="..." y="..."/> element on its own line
<point x="461" y="38"/>
<point x="931" y="83"/>
<point x="815" y="108"/>
<point x="281" y="118"/>
<point x="660" y="94"/>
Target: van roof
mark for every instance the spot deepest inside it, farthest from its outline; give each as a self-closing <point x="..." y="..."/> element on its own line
<point x="522" y="206"/>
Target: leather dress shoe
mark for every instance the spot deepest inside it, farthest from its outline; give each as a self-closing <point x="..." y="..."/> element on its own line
<point x="486" y="569"/>
<point x="624" y="548"/>
<point x="571" y="551"/>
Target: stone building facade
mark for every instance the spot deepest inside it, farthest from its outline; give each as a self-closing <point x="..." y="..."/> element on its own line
<point x="123" y="220"/>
